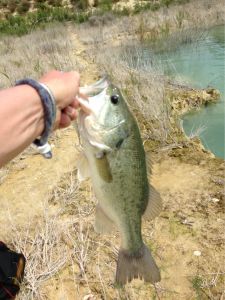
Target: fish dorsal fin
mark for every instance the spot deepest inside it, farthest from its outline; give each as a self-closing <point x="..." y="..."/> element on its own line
<point x="83" y="171"/>
<point x="154" y="206"/>
<point x="103" y="224"/>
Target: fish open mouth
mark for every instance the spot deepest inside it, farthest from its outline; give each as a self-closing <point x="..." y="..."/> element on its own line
<point x="88" y="99"/>
<point x="92" y="99"/>
<point x="91" y="91"/>
<point x="93" y="137"/>
<point x="84" y="103"/>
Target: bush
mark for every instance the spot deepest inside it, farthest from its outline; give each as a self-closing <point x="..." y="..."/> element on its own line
<point x="167" y="2"/>
<point x="80" y="4"/>
<point x="3" y="3"/>
<point x="19" y="25"/>
<point x="23" y="7"/>
<point x="12" y="5"/>
<point x="105" y="5"/>
<point x="56" y="3"/>
<point x="142" y="7"/>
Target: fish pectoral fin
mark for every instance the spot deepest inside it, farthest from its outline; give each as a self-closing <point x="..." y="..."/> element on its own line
<point x="103" y="167"/>
<point x="154" y="206"/>
<point x="103" y="224"/>
<point x="83" y="171"/>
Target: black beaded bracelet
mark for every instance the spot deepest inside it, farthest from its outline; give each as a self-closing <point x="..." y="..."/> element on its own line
<point x="48" y="102"/>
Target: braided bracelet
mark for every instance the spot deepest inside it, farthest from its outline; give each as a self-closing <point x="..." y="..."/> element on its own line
<point x="49" y="106"/>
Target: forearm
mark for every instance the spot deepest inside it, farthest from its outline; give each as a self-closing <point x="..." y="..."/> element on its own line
<point x="22" y="120"/>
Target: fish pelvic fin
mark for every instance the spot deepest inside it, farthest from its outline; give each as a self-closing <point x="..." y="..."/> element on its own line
<point x="138" y="265"/>
<point x="83" y="171"/>
<point x="154" y="205"/>
<point x="103" y="224"/>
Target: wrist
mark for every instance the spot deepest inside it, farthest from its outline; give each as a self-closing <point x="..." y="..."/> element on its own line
<point x="48" y="103"/>
<point x="32" y="107"/>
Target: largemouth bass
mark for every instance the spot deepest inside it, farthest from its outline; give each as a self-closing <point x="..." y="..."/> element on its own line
<point x="114" y="159"/>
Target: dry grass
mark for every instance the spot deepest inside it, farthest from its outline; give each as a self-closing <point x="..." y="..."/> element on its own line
<point x="36" y="53"/>
<point x="66" y="259"/>
<point x="151" y="25"/>
<point x="140" y="77"/>
<point x="62" y="250"/>
<point x="58" y="240"/>
<point x="31" y="56"/>
<point x="63" y="239"/>
<point x="45" y="253"/>
<point x="118" y="49"/>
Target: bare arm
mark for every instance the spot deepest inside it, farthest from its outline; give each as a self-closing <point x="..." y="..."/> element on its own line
<point x="22" y="115"/>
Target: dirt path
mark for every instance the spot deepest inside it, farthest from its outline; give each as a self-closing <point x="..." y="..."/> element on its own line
<point x="186" y="225"/>
<point x="31" y="182"/>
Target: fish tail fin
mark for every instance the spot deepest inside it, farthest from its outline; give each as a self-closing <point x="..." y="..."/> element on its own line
<point x="138" y="265"/>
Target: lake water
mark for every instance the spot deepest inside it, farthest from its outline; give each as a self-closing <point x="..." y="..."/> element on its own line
<point x="201" y="65"/>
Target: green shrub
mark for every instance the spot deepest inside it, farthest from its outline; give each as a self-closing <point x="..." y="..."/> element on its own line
<point x="167" y="2"/>
<point x="105" y="5"/>
<point x="51" y="10"/>
<point x="23" y="24"/>
<point x="55" y="3"/>
<point x="182" y="1"/>
<point x="80" y="4"/>
<point x="154" y="6"/>
<point x="23" y="7"/>
<point x="12" y="5"/>
<point x="123" y="12"/>
<point x="141" y="7"/>
<point x="3" y="3"/>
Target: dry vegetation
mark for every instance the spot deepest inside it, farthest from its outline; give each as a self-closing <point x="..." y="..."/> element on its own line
<point x="66" y="259"/>
<point x="34" y="54"/>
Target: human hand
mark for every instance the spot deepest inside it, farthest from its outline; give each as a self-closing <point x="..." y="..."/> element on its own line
<point x="64" y="87"/>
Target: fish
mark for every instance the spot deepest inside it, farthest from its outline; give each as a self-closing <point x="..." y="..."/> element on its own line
<point x="113" y="157"/>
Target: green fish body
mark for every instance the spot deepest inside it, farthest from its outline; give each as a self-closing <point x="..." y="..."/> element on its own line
<point x="114" y="159"/>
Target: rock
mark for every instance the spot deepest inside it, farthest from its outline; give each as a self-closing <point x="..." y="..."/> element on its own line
<point x="197" y="253"/>
<point x="213" y="92"/>
<point x="184" y="99"/>
<point x="92" y="3"/>
<point x="205" y="96"/>
<point x="215" y="200"/>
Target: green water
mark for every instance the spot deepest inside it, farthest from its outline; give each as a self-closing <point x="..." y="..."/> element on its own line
<point x="201" y="65"/>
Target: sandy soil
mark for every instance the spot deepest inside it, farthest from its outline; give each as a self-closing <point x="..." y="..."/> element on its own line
<point x="192" y="220"/>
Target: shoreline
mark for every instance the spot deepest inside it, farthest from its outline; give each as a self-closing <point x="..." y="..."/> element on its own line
<point x="182" y="99"/>
<point x="185" y="100"/>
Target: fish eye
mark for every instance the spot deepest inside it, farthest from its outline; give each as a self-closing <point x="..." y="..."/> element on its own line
<point x="114" y="99"/>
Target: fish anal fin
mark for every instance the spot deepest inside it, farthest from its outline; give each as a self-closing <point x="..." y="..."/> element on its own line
<point x="136" y="265"/>
<point x="103" y="224"/>
<point x="83" y="171"/>
<point x="154" y="206"/>
<point x="148" y="165"/>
